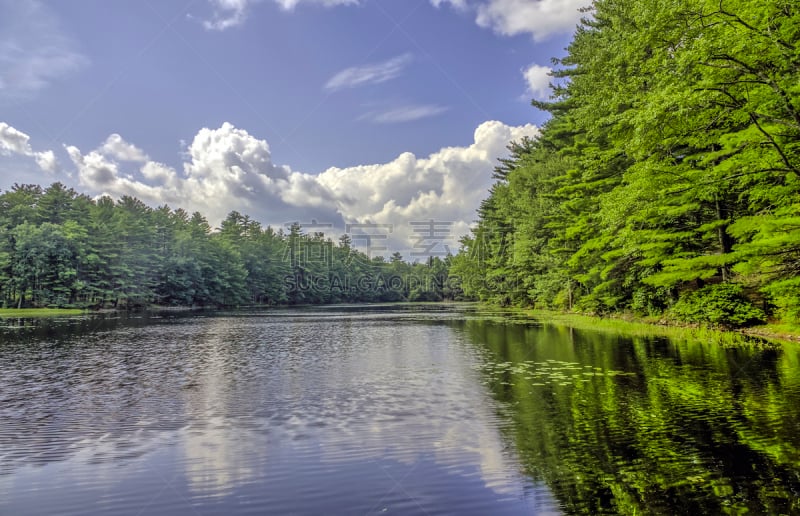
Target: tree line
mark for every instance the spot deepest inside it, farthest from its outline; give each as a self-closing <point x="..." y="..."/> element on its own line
<point x="59" y="248"/>
<point x="666" y="179"/>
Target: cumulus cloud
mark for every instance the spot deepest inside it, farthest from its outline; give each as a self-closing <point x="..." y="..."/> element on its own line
<point x="34" y="52"/>
<point x="227" y="168"/>
<point x="539" y="18"/>
<point x="374" y="73"/>
<point x="15" y="142"/>
<point x="446" y="186"/>
<point x="102" y="175"/>
<point x="116" y="147"/>
<point x="538" y="78"/>
<point x="401" y="114"/>
<point x="47" y="161"/>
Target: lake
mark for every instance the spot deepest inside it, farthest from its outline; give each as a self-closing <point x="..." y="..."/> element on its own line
<point x="388" y="409"/>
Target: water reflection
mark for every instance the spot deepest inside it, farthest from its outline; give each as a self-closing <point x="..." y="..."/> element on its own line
<point x="412" y="410"/>
<point x="318" y="399"/>
<point x="690" y="427"/>
<point x="218" y="454"/>
<point x="286" y="411"/>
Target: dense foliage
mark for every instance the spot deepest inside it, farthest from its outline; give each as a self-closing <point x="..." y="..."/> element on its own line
<point x="670" y="163"/>
<point x="62" y="249"/>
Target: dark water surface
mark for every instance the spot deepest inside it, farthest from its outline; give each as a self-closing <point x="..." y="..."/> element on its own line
<point x="403" y="409"/>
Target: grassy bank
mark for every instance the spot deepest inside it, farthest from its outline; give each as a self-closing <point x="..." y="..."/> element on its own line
<point x="629" y="325"/>
<point x="786" y="332"/>
<point x="39" y="312"/>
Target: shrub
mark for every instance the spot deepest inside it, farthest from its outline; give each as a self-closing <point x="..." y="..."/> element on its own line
<point x="723" y="304"/>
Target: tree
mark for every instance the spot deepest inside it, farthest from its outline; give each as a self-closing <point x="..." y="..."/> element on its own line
<point x="670" y="162"/>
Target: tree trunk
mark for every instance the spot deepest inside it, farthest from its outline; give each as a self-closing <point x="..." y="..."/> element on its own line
<point x="725" y="242"/>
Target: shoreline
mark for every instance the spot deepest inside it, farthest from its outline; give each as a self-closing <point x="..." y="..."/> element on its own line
<point x="41" y="312"/>
<point x="619" y="323"/>
<point x="630" y="324"/>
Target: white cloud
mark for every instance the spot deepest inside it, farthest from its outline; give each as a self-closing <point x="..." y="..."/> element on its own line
<point x="47" y="161"/>
<point x="227" y="14"/>
<point x="291" y="4"/>
<point x="33" y="50"/>
<point x="227" y="169"/>
<point x="94" y="169"/>
<point x="116" y="147"/>
<point x="538" y="78"/>
<point x="446" y="186"/>
<point x="539" y="18"/>
<point x="457" y="4"/>
<point x="101" y="175"/>
<point x="404" y="114"/>
<point x="232" y="13"/>
<point x="374" y="73"/>
<point x="15" y="142"/>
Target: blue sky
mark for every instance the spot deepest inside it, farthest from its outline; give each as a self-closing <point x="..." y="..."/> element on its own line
<point x="345" y="110"/>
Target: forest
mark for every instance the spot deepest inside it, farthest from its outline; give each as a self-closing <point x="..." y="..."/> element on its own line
<point x="62" y="249"/>
<point x="665" y="182"/>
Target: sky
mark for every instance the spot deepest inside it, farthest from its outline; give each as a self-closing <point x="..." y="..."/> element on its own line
<point x="339" y="112"/>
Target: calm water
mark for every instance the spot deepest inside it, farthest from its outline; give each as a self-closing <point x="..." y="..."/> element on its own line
<point x="388" y="410"/>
